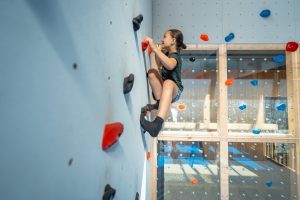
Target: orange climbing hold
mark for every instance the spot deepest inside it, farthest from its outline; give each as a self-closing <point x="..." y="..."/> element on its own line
<point x="229" y="81"/>
<point x="194" y="181"/>
<point x="291" y="46"/>
<point x="148" y="155"/>
<point x="145" y="44"/>
<point x="204" y="37"/>
<point x="181" y="107"/>
<point x="112" y="132"/>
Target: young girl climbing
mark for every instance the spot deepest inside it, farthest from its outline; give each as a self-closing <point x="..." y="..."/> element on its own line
<point x="164" y="77"/>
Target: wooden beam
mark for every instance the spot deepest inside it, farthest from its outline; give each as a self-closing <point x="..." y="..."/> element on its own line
<point x="292" y="161"/>
<point x="214" y="126"/>
<point x="224" y="171"/>
<point x="222" y="120"/>
<point x="293" y="89"/>
<point x="260" y="118"/>
<point x="188" y="74"/>
<point x="294" y="62"/>
<point x="222" y="98"/>
<point x="293" y="95"/>
<point x="180" y="125"/>
<point x="298" y="164"/>
<point x="198" y="47"/>
<point x="255" y="46"/>
<point x="263" y="137"/>
<point x="213" y="83"/>
<point x="275" y="86"/>
<point x="236" y="47"/>
<point x="188" y="136"/>
<point x="232" y="137"/>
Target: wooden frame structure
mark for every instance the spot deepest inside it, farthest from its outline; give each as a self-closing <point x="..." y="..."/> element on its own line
<point x="222" y="135"/>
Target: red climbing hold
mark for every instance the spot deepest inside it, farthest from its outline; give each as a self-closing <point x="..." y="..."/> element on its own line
<point x="229" y="81"/>
<point x="204" y="37"/>
<point x="194" y="181"/>
<point x="291" y="46"/>
<point x="112" y="132"/>
<point x="145" y="44"/>
<point x="149" y="51"/>
<point x="148" y="155"/>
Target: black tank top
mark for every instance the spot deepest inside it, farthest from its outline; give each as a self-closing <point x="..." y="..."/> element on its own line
<point x="174" y="74"/>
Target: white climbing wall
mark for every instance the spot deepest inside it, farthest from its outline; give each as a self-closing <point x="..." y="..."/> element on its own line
<point x="218" y="18"/>
<point x="52" y="116"/>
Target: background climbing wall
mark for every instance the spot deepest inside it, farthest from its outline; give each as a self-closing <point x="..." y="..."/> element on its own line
<point x="218" y="18"/>
<point x="62" y="65"/>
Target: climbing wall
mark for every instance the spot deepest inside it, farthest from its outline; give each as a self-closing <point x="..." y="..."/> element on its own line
<point x="259" y="93"/>
<point x="258" y="104"/>
<point x="62" y="67"/>
<point x="218" y="18"/>
<point x="191" y="170"/>
<point x="199" y="101"/>
<point x="253" y="175"/>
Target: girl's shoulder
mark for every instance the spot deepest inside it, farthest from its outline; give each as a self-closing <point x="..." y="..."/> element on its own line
<point x="177" y="56"/>
<point x="172" y="53"/>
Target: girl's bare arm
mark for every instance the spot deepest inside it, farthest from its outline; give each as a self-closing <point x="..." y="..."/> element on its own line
<point x="160" y="57"/>
<point x="169" y="63"/>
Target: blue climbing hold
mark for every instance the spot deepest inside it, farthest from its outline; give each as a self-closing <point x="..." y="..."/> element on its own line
<point x="281" y="107"/>
<point x="265" y="13"/>
<point x="254" y="82"/>
<point x="243" y="107"/>
<point x="269" y="183"/>
<point x="160" y="161"/>
<point x="229" y="37"/>
<point x="279" y="58"/>
<point x="256" y="131"/>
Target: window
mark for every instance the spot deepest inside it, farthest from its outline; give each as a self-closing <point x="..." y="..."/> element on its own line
<point x="235" y="132"/>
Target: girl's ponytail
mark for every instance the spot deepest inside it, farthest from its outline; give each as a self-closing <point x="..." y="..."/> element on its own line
<point x="177" y="34"/>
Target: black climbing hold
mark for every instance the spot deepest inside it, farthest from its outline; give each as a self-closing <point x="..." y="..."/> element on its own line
<point x="109" y="193"/>
<point x="75" y="66"/>
<point x="192" y="59"/>
<point x="149" y="107"/>
<point x="137" y="196"/>
<point x="70" y="162"/>
<point x="128" y="83"/>
<point x="137" y="22"/>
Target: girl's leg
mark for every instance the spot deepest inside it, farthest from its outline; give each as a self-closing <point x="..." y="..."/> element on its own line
<point x="156" y="82"/>
<point x="169" y="91"/>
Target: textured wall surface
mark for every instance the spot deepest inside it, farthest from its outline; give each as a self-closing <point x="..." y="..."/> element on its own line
<point x="53" y="115"/>
<point x="218" y="18"/>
